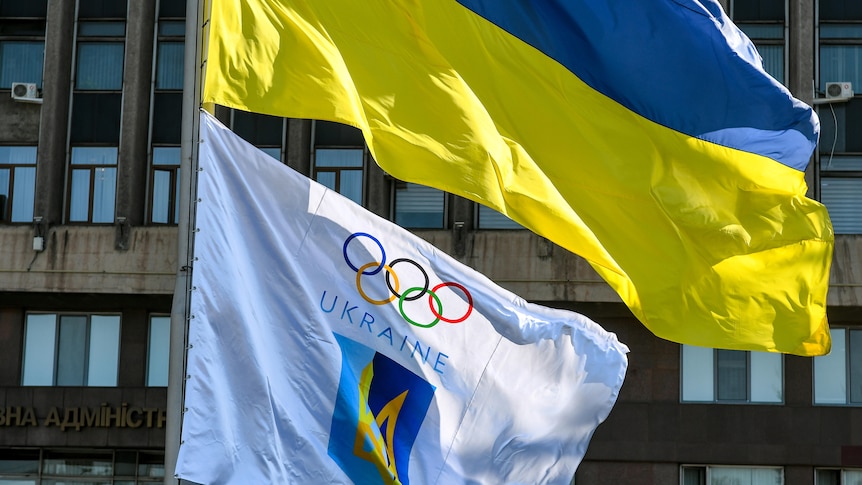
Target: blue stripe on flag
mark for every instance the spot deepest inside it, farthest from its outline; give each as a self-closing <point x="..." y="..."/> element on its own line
<point x="697" y="73"/>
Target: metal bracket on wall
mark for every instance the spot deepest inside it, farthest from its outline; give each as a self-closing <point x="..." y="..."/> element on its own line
<point x="38" y="234"/>
<point x="124" y="230"/>
<point x="459" y="239"/>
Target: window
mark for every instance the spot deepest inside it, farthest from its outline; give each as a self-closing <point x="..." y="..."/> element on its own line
<point x="840" y="151"/>
<point x="340" y="170"/>
<point x="99" y="58"/>
<point x="99" y="55"/>
<point x="838" y="375"/>
<point x="338" y="158"/>
<point x="763" y="22"/>
<point x="17" y="183"/>
<point x="21" y="61"/>
<point x="840" y="53"/>
<point x="838" y="9"/>
<point x="53" y="467"/>
<point x="165" y="185"/>
<point x="158" y="350"/>
<point x="169" y="56"/>
<point x="731" y="376"/>
<point x="22" y="42"/>
<point x="491" y="219"/>
<point x="18" y="466"/>
<point x="841" y="165"/>
<point x="825" y="476"/>
<point x="729" y="475"/>
<point x="841" y="192"/>
<point x="93" y="184"/>
<point x="172" y="9"/>
<point x="418" y="206"/>
<point x="263" y="131"/>
<point x="166" y="122"/>
<point x="71" y="350"/>
<point x="168" y="88"/>
<point x="96" y="111"/>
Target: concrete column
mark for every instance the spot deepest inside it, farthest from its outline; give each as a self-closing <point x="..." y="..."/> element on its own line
<point x="11" y="350"/>
<point x="298" y="150"/>
<point x="56" y="90"/>
<point x="378" y="189"/>
<point x="797" y="390"/>
<point x="800" y="43"/>
<point x="462" y="222"/>
<point x="461" y="210"/>
<point x="800" y="72"/>
<point x="133" y="341"/>
<point x="134" y="133"/>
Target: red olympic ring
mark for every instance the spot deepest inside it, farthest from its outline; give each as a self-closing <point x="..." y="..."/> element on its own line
<point x="460" y="287"/>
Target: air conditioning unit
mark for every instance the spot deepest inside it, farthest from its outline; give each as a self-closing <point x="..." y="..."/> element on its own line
<point x="842" y="90"/>
<point x="26" y="92"/>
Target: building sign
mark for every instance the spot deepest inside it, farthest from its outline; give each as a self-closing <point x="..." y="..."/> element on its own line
<point x="104" y="416"/>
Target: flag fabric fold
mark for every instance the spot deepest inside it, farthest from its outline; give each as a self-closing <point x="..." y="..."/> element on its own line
<point x="644" y="136"/>
<point x="328" y="345"/>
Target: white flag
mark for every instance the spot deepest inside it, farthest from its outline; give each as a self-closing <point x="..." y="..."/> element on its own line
<point x="328" y="345"/>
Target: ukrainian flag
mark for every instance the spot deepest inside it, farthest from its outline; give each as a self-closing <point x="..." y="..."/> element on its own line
<point x="642" y="135"/>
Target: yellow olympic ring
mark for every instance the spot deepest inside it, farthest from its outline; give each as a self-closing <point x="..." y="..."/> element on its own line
<point x="359" y="283"/>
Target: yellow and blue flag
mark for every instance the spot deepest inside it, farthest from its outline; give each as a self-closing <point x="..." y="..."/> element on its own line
<point x="642" y="135"/>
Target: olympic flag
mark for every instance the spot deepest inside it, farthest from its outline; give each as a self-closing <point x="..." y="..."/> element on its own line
<point x="327" y="345"/>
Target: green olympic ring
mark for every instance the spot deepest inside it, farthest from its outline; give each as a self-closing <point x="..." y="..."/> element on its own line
<point x="407" y="319"/>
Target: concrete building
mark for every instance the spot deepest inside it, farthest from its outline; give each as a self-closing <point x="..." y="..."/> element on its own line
<point x="89" y="205"/>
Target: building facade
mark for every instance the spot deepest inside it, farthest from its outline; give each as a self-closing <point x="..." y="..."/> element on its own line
<point x="90" y="130"/>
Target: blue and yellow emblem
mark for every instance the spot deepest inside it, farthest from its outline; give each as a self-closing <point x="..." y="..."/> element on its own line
<point x="378" y="412"/>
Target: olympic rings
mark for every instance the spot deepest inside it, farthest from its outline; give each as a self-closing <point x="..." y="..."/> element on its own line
<point x="393" y="285"/>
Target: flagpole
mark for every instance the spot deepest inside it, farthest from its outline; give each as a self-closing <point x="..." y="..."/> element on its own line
<point x="185" y="235"/>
